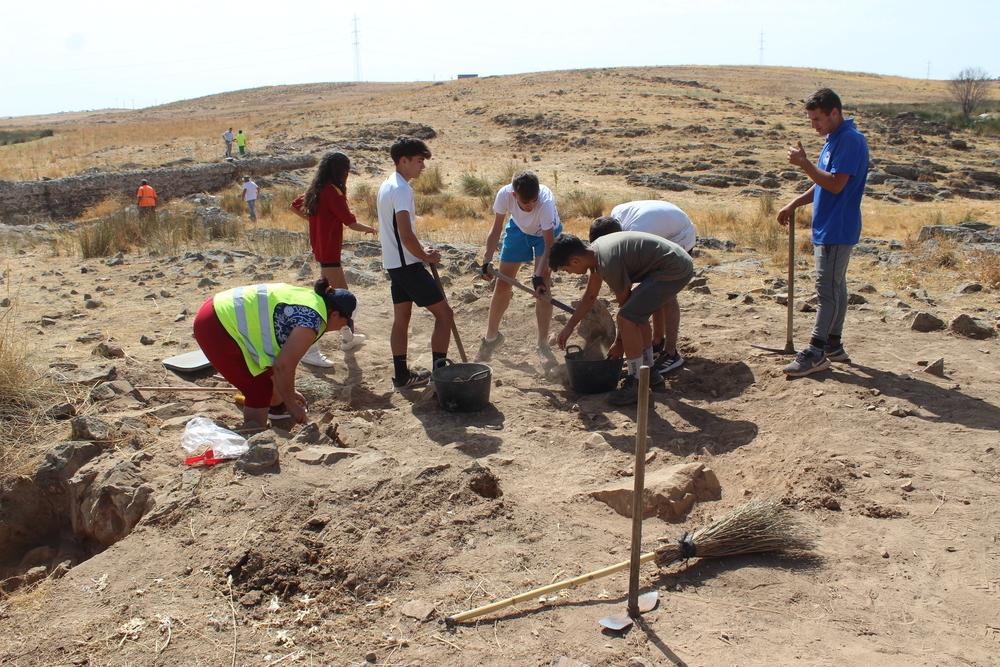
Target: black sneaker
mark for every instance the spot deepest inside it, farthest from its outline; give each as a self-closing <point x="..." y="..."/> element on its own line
<point x="627" y="394"/>
<point x="668" y="362"/>
<point x="836" y="353"/>
<point x="278" y="411"/>
<point x="414" y="380"/>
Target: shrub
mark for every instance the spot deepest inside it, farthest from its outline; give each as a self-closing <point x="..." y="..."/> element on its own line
<point x="165" y="234"/>
<point x="583" y="204"/>
<point x="365" y="202"/>
<point x="231" y="202"/>
<point x="986" y="268"/>
<point x="474" y="185"/>
<point x="430" y="182"/>
<point x="22" y="136"/>
<point x="22" y="390"/>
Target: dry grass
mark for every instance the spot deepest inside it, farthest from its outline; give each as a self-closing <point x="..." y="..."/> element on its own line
<point x="78" y="147"/>
<point x="166" y="234"/>
<point x="430" y="182"/>
<point x="586" y="204"/>
<point x="364" y="202"/>
<point x="24" y="390"/>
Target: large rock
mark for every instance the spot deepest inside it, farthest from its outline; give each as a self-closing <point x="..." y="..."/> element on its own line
<point x="670" y="493"/>
<point x="106" y="502"/>
<point x="65" y="459"/>
<point x="972" y="327"/>
<point x="926" y="322"/>
<point x="85" y="427"/>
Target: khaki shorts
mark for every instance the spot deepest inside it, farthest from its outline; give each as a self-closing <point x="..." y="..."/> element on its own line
<point x="649" y="296"/>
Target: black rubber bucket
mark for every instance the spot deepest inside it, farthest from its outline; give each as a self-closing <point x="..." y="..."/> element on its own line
<point x="463" y="387"/>
<point x="592" y="377"/>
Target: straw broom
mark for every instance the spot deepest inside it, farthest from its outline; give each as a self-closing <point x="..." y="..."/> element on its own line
<point x="757" y="526"/>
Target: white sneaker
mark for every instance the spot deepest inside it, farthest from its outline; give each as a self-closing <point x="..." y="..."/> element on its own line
<point x="313" y="357"/>
<point x="358" y="339"/>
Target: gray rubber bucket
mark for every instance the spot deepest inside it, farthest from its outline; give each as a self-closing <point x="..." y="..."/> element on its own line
<point x="592" y="377"/>
<point x="463" y="387"/>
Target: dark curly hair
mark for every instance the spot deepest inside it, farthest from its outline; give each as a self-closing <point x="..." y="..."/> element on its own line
<point x="333" y="168"/>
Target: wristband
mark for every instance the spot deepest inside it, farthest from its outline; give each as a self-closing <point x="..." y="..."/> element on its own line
<point x="537" y="281"/>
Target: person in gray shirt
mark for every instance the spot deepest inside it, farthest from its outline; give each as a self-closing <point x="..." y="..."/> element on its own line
<point x="644" y="272"/>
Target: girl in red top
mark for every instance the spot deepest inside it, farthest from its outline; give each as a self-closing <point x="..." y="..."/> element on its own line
<point x="324" y="205"/>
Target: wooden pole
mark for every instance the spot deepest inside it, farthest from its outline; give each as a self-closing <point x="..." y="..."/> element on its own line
<point x="638" y="491"/>
<point x="545" y="590"/>
<point x="454" y="326"/>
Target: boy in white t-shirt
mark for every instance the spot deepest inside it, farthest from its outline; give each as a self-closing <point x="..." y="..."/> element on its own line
<point x="403" y="256"/>
<point x="667" y="221"/>
<point x="532" y="225"/>
<point x="250" y="196"/>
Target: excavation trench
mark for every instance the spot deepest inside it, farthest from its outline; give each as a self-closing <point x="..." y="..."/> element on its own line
<point x="77" y="505"/>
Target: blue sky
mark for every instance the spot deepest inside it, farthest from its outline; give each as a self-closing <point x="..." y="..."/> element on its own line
<point x="71" y="56"/>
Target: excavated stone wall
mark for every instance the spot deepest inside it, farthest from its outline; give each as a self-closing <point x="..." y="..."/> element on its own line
<point x="60" y="199"/>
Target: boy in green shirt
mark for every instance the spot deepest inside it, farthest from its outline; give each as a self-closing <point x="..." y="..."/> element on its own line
<point x="644" y="272"/>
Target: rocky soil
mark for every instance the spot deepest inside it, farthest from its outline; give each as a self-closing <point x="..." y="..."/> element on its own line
<point x="348" y="541"/>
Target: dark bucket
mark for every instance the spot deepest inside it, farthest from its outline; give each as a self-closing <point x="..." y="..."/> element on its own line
<point x="463" y="387"/>
<point x="592" y="377"/>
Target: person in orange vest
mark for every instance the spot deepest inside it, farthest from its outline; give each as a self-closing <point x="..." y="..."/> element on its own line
<point x="146" y="200"/>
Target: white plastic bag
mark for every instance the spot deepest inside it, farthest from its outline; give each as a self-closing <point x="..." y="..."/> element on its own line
<point x="202" y="433"/>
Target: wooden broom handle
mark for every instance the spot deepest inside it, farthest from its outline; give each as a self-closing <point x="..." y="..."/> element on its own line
<point x="544" y="590"/>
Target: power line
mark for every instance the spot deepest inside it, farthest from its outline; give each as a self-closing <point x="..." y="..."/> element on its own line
<point x="761" y="47"/>
<point x="357" y="51"/>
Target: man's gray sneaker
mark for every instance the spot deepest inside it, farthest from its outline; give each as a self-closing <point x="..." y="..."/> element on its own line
<point x="809" y="360"/>
<point x="836" y="353"/>
<point x="488" y="347"/>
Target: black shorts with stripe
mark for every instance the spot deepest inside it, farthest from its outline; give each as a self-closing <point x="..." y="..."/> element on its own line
<point x="414" y="283"/>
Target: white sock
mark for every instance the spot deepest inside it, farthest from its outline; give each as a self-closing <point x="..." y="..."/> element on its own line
<point x="633" y="366"/>
<point x="647" y="356"/>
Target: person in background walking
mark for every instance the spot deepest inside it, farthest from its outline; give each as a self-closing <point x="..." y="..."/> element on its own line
<point x="250" y="196"/>
<point x="146" y="200"/>
<point x="228" y="137"/>
<point x="241" y="141"/>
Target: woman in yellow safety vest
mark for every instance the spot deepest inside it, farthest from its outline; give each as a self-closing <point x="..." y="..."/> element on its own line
<point x="255" y="336"/>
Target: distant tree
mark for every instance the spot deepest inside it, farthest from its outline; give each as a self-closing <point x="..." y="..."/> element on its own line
<point x="970" y="88"/>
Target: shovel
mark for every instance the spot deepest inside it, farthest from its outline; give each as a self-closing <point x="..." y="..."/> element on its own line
<point x="789" y="346"/>
<point x="637" y="604"/>
<point x="600" y="329"/>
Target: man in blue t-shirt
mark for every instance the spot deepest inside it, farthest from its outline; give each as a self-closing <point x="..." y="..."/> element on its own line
<point x="838" y="184"/>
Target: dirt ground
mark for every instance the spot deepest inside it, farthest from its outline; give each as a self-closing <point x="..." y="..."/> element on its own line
<point x="323" y="557"/>
<point x="893" y="471"/>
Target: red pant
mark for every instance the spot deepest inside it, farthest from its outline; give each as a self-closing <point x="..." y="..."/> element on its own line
<point x="227" y="358"/>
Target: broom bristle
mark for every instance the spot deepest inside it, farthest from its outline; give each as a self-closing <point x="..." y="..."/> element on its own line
<point x="757" y="526"/>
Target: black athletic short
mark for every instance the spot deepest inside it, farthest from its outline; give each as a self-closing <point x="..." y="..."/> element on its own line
<point x="414" y="283"/>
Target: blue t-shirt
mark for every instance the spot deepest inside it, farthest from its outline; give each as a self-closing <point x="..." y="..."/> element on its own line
<point x="837" y="217"/>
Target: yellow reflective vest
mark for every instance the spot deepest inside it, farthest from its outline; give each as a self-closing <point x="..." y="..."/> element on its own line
<point x="247" y="313"/>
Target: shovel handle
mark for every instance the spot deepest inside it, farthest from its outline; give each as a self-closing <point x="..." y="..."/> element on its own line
<point x="558" y="304"/>
<point x="454" y="326"/>
<point x="544" y="590"/>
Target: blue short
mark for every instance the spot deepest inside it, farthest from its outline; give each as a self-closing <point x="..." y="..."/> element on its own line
<point x="520" y="247"/>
